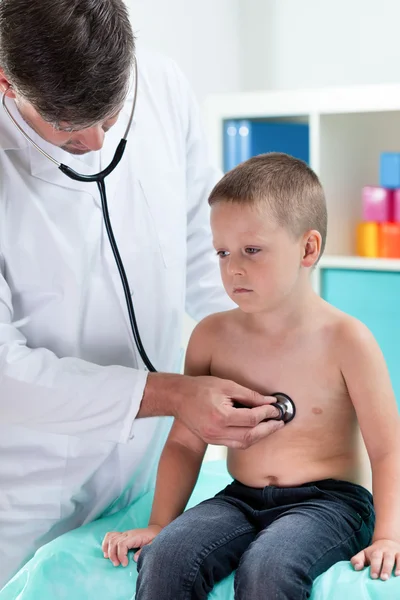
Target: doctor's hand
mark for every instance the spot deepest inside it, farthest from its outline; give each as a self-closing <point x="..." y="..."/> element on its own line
<point x="205" y="405"/>
<point x="116" y="545"/>
<point x="207" y="409"/>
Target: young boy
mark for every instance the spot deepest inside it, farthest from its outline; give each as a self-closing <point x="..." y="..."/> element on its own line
<point x="296" y="505"/>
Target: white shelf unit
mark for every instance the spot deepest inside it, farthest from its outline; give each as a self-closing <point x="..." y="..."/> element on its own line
<point x="349" y="128"/>
<point x="353" y="263"/>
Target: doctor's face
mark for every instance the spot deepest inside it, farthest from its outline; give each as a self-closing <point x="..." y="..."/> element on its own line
<point x="75" y="142"/>
<point x="260" y="261"/>
<point x="63" y="136"/>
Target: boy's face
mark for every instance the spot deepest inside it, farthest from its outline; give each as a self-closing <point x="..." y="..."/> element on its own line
<point x="260" y="261"/>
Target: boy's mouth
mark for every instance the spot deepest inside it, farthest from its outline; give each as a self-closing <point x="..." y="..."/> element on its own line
<point x="241" y="290"/>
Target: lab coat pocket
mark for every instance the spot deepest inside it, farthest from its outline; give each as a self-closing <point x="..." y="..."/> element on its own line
<point x="165" y="198"/>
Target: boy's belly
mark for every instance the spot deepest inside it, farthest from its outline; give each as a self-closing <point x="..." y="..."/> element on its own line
<point x="289" y="458"/>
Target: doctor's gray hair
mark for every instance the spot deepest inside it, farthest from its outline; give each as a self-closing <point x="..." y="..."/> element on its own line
<point x="287" y="186"/>
<point x="70" y="59"/>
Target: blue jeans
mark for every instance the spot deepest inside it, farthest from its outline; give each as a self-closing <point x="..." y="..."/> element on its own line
<point x="278" y="540"/>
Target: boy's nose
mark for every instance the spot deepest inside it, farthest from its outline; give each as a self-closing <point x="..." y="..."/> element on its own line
<point x="235" y="267"/>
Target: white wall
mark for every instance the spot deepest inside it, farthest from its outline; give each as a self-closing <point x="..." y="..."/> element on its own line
<point x="314" y="43"/>
<point x="201" y="36"/>
<point x="234" y="45"/>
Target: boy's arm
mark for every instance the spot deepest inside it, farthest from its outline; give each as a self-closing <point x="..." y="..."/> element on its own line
<point x="177" y="474"/>
<point x="178" y="468"/>
<point x="183" y="453"/>
<point x="368" y="382"/>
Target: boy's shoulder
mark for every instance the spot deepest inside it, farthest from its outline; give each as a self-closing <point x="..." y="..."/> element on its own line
<point x="347" y="330"/>
<point x="205" y="340"/>
<point x="215" y="329"/>
<point x="217" y="323"/>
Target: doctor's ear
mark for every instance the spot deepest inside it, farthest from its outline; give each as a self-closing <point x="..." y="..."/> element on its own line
<point x="6" y="85"/>
<point x="311" y="248"/>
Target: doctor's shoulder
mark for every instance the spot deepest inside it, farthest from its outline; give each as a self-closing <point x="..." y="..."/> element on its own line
<point x="208" y="337"/>
<point x="158" y="65"/>
<point x="162" y="79"/>
<point x="160" y="71"/>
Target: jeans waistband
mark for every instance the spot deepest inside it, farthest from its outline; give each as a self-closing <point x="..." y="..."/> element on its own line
<point x="328" y="485"/>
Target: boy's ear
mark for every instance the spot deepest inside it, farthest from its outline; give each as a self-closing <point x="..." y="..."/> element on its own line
<point x="5" y="85"/>
<point x="311" y="248"/>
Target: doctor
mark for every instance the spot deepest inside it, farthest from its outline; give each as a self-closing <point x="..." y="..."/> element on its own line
<point x="74" y="394"/>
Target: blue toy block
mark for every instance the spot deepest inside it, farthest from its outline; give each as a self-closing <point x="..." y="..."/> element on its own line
<point x="389" y="172"/>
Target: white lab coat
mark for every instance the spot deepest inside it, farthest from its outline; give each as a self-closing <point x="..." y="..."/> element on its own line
<point x="69" y="442"/>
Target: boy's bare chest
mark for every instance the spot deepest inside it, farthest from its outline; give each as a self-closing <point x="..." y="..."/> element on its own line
<point x="307" y="370"/>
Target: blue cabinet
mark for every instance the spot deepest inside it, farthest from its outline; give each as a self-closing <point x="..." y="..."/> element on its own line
<point x="373" y="297"/>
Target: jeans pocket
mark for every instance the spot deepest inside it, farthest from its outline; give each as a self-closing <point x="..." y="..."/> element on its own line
<point x="356" y="511"/>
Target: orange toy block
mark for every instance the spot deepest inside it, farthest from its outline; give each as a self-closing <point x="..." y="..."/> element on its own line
<point x="389" y="240"/>
<point x="368" y="239"/>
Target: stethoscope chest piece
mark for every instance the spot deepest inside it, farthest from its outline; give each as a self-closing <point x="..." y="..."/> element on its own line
<point x="286" y="406"/>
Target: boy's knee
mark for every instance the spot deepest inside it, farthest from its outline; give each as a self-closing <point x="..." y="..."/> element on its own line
<point x="159" y="572"/>
<point x="155" y="555"/>
<point x="170" y="572"/>
<point x="142" y="556"/>
<point x="164" y="555"/>
<point x="272" y="577"/>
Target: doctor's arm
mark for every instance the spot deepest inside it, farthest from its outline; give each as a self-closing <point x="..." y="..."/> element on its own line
<point x="65" y="396"/>
<point x="72" y="397"/>
<point x="368" y="382"/>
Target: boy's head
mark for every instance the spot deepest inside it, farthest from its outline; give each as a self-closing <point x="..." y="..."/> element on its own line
<point x="269" y="223"/>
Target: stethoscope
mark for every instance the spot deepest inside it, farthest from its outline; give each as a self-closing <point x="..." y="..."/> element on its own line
<point x="99" y="179"/>
<point x="284" y="403"/>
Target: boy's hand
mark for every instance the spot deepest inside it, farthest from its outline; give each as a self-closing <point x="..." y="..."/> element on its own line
<point x="116" y="544"/>
<point x="382" y="555"/>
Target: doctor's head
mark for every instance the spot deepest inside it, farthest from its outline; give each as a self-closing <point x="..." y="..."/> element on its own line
<point x="68" y="63"/>
<point x="269" y="225"/>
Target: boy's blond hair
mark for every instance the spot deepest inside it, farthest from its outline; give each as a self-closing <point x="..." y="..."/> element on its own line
<point x="287" y="185"/>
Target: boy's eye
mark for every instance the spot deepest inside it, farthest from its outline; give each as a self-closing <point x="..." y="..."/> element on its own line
<point x="252" y="250"/>
<point x="222" y="253"/>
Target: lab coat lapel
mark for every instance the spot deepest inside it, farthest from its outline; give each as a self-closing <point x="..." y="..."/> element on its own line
<point x="45" y="170"/>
